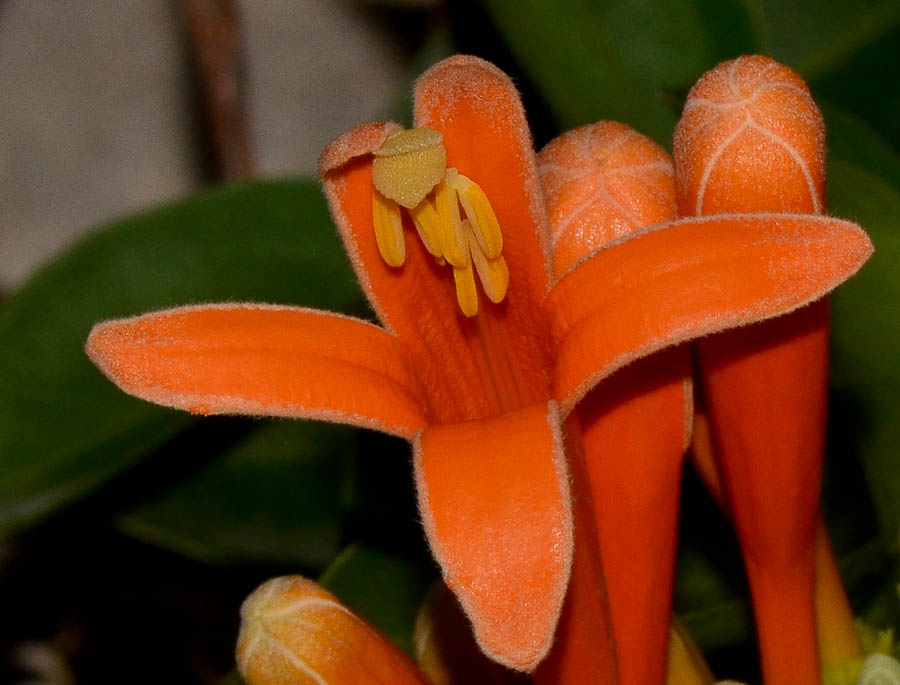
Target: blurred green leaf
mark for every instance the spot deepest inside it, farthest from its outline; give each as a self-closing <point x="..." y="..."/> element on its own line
<point x="279" y="496"/>
<point x="864" y="185"/>
<point x="385" y="589"/>
<point x="815" y="37"/>
<point x="866" y="85"/>
<point x="617" y="59"/>
<point x="866" y="333"/>
<point x="851" y="140"/>
<point x="707" y="601"/>
<point x="64" y="429"/>
<point x="573" y="62"/>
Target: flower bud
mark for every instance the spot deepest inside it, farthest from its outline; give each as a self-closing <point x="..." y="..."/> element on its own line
<point x="293" y="631"/>
<point x="750" y="139"/>
<point x="603" y="181"/>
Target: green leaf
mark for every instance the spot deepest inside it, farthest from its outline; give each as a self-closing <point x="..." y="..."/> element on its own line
<point x="617" y="59"/>
<point x="866" y="336"/>
<point x="815" y="37"/>
<point x="573" y="62"/>
<point x="385" y="589"/>
<point x="707" y="601"/>
<point x="866" y="85"/>
<point x="64" y="429"/>
<point x="851" y="140"/>
<point x="279" y="495"/>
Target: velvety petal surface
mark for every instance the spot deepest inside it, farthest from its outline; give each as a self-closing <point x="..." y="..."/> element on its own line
<point x="262" y="360"/>
<point x="602" y="182"/>
<point x="498" y="360"/>
<point x="494" y="499"/>
<point x="688" y="279"/>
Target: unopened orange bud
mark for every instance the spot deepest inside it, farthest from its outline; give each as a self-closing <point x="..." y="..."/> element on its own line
<point x="293" y="631"/>
<point x="603" y="181"/>
<point x="751" y="139"/>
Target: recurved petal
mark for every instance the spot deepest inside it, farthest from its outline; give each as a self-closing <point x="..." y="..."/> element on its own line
<point x="293" y="631"/>
<point x="494" y="499"/>
<point x="446" y="650"/>
<point x="262" y="360"/>
<point x="690" y="278"/>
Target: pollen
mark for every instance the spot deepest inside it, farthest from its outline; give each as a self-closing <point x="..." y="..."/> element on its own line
<point x="450" y="212"/>
<point x="408" y="165"/>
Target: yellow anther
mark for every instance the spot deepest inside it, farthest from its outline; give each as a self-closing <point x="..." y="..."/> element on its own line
<point x="493" y="273"/>
<point x="466" y="294"/>
<point x="408" y="165"/>
<point x="456" y="250"/>
<point x="428" y="225"/>
<point x="388" y="229"/>
<point x="480" y="214"/>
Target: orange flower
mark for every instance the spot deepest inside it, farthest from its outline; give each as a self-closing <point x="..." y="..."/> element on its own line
<point x="751" y="139"/>
<point x="603" y="182"/>
<point x="478" y="378"/>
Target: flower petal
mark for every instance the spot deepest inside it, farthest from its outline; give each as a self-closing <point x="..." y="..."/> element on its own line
<point x="477" y="109"/>
<point x="446" y="650"/>
<point x="690" y="278"/>
<point x="499" y="359"/>
<point x="293" y="631"/>
<point x="262" y="360"/>
<point x="494" y="499"/>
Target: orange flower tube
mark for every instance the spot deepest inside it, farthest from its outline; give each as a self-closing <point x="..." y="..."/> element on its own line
<point x="751" y="140"/>
<point x="840" y="647"/>
<point x="603" y="182"/>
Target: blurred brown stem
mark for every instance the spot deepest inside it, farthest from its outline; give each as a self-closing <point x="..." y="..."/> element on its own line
<point x="214" y="27"/>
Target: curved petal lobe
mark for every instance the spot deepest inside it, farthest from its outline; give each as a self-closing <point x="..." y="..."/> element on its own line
<point x="262" y="360"/>
<point x="690" y="278"/>
<point x="494" y="499"/>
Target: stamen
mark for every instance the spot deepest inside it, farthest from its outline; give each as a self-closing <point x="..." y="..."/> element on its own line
<point x="479" y="212"/>
<point x="388" y="230"/>
<point x="408" y="165"/>
<point x="428" y="225"/>
<point x="454" y="239"/>
<point x="410" y="170"/>
<point x="493" y="273"/>
<point x="466" y="294"/>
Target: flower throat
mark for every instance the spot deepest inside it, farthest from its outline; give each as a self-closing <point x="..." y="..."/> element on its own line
<point x="410" y="171"/>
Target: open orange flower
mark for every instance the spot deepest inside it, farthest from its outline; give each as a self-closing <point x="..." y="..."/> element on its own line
<point x="479" y="382"/>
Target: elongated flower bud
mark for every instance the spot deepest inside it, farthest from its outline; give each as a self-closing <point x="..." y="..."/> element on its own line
<point x="603" y="182"/>
<point x="293" y="631"/>
<point x="751" y="139"/>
